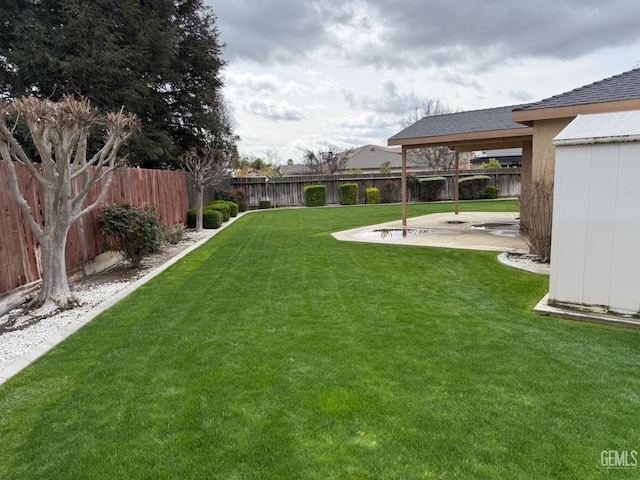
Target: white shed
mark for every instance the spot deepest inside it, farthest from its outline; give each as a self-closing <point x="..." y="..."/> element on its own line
<point x="595" y="247"/>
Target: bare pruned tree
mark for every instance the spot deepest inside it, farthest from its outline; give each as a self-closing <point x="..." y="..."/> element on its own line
<point x="65" y="173"/>
<point x="327" y="161"/>
<point x="205" y="169"/>
<point x="434" y="158"/>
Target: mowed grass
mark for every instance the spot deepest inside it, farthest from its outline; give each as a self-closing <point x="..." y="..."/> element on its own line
<point x="278" y="352"/>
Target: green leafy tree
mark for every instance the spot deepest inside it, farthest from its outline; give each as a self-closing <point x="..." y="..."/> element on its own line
<point x="160" y="59"/>
<point x="491" y="164"/>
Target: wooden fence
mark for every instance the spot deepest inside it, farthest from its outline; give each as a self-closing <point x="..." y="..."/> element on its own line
<point x="19" y="252"/>
<point x="289" y="191"/>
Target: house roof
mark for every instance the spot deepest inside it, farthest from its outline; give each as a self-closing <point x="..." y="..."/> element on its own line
<point x="373" y="156"/>
<point x="463" y="130"/>
<point x="624" y="86"/>
<point x="498" y="118"/>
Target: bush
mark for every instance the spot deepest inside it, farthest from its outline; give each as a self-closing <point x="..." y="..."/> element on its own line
<point x="174" y="234"/>
<point x="233" y="206"/>
<point x="315" y="195"/>
<point x="133" y="231"/>
<point x="223" y="208"/>
<point x="473" y="188"/>
<point x="264" y="204"/>
<point x="389" y="192"/>
<point x="348" y="193"/>
<point x="241" y="199"/>
<point x="226" y="195"/>
<point x="211" y="219"/>
<point x="431" y="188"/>
<point x="372" y="196"/>
<point x="491" y="191"/>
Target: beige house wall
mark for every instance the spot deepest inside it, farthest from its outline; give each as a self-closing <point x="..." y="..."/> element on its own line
<point x="543" y="151"/>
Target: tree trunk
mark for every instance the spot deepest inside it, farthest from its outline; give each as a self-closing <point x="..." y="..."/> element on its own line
<point x="55" y="293"/>
<point x="199" y="202"/>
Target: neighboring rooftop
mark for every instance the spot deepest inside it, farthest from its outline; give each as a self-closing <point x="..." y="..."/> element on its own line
<point x="624" y="86"/>
<point x="498" y="118"/>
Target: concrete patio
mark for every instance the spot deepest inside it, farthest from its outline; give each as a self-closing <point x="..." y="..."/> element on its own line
<point x="447" y="230"/>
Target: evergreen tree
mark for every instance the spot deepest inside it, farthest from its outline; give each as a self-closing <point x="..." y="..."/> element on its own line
<point x="160" y="59"/>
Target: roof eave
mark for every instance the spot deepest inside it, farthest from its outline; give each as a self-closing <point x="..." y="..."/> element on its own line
<point x="526" y="117"/>
<point x="511" y="136"/>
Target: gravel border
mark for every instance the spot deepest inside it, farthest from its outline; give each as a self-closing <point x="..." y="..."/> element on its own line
<point x="524" y="262"/>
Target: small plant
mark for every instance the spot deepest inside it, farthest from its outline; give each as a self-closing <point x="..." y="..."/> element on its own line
<point x="431" y="188"/>
<point x="385" y="168"/>
<point x="372" y="196"/>
<point x="264" y="204"/>
<point x="348" y="194"/>
<point x="389" y="192"/>
<point x="315" y="195"/>
<point x="211" y="219"/>
<point x="473" y="188"/>
<point x="133" y="231"/>
<point x="491" y="191"/>
<point x="174" y="234"/>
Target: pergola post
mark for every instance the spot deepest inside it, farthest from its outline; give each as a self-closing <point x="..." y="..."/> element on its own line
<point x="404" y="188"/>
<point x="456" y="179"/>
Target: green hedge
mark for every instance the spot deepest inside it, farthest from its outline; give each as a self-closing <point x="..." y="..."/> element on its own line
<point x="264" y="204"/>
<point x="315" y="195"/>
<point x="211" y="219"/>
<point x="431" y="188"/>
<point x="372" y="196"/>
<point x="491" y="191"/>
<point x="222" y="208"/>
<point x="473" y="188"/>
<point x="348" y="193"/>
<point x="233" y="206"/>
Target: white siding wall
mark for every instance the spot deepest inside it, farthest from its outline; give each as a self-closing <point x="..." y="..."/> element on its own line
<point x="595" y="256"/>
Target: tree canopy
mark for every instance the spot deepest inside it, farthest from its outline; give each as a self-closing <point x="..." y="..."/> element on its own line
<point x="160" y="59"/>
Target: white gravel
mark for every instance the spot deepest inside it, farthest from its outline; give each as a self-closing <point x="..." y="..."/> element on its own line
<point x="524" y="262"/>
<point x="89" y="292"/>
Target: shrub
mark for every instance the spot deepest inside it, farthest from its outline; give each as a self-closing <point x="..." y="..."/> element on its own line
<point x="210" y="218"/>
<point x="241" y="199"/>
<point x="372" y="196"/>
<point x="473" y="188"/>
<point x="491" y="191"/>
<point x="315" y="195"/>
<point x="222" y="208"/>
<point x="389" y="192"/>
<point x="174" y="234"/>
<point x="348" y="193"/>
<point x="431" y="188"/>
<point x="226" y="195"/>
<point x="264" y="204"/>
<point x="133" y="231"/>
<point x="233" y="206"/>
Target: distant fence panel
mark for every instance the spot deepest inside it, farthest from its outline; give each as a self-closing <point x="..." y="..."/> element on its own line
<point x="289" y="191"/>
<point x="164" y="190"/>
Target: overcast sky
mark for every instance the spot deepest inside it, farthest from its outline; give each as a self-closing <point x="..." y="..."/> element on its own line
<point x="302" y="74"/>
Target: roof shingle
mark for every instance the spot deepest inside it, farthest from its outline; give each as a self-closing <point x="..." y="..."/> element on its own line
<point x="624" y="86"/>
<point x="498" y="118"/>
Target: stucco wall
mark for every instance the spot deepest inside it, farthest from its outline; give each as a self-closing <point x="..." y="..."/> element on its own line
<point x="543" y="151"/>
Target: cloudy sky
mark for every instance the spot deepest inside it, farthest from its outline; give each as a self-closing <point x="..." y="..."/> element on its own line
<point x="303" y="74"/>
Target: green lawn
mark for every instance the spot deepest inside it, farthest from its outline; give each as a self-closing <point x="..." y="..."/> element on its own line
<point x="276" y="352"/>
